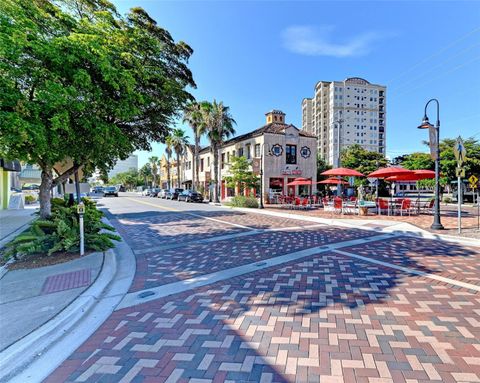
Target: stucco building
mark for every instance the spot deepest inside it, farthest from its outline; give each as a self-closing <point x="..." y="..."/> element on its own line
<point x="282" y="150"/>
<point x="343" y="113"/>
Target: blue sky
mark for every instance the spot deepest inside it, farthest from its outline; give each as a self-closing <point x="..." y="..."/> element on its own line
<point x="260" y="55"/>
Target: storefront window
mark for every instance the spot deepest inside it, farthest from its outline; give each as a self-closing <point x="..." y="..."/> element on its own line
<point x="276" y="185"/>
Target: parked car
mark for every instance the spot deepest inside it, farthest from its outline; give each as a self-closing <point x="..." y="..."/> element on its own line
<point x="154" y="192"/>
<point x="162" y="193"/>
<point x="110" y="190"/>
<point x="147" y="192"/>
<point x="190" y="196"/>
<point x="173" y="193"/>
<point x="97" y="189"/>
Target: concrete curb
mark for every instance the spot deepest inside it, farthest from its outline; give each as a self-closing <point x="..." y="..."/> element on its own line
<point x="38" y="354"/>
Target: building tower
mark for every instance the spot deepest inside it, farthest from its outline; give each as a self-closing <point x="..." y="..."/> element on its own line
<point x="343" y="113"/>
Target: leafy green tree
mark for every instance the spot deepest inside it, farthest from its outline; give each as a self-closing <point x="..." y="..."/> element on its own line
<point x="241" y="175"/>
<point x="362" y="160"/>
<point x="80" y="83"/>
<point x="448" y="163"/>
<point x="179" y="142"/>
<point x="322" y="166"/>
<point x="146" y="173"/>
<point x="415" y="161"/>
<point x="218" y="124"/>
<point x="153" y="162"/>
<point x="193" y="116"/>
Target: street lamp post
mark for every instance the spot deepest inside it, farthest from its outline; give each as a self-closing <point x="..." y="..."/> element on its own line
<point x="436" y="225"/>
<point x="261" y="174"/>
<point x="337" y="124"/>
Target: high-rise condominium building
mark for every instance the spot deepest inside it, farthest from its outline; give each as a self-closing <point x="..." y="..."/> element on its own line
<point x="343" y="113"/>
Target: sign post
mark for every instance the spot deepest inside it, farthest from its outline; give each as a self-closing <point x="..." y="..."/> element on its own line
<point x="473" y="179"/>
<point x="460" y="154"/>
<point x="81" y="211"/>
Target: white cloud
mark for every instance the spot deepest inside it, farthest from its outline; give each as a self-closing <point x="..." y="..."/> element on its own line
<point x="313" y="41"/>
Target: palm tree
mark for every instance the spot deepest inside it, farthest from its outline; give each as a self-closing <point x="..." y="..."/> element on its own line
<point x="179" y="142"/>
<point x="168" y="151"/>
<point x="218" y="123"/>
<point x="153" y="165"/>
<point x="193" y="116"/>
<point x="146" y="172"/>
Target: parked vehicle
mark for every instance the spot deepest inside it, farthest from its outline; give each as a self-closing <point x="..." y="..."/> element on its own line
<point x="190" y="196"/>
<point x="97" y="189"/>
<point x="110" y="190"/>
<point x="173" y="193"/>
<point x="154" y="192"/>
<point x="162" y="193"/>
<point x="146" y="192"/>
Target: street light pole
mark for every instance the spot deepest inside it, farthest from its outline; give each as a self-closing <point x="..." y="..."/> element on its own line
<point x="337" y="124"/>
<point x="261" y="175"/>
<point x="436" y="225"/>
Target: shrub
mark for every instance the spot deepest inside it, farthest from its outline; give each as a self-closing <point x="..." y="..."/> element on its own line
<point x="447" y="200"/>
<point x="29" y="198"/>
<point x="242" y="201"/>
<point x="60" y="233"/>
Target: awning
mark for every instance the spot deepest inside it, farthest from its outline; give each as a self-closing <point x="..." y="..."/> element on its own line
<point x="11" y="166"/>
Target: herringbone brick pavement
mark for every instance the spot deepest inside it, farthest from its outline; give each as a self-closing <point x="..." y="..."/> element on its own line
<point x="164" y="266"/>
<point x="326" y="318"/>
<point x="450" y="260"/>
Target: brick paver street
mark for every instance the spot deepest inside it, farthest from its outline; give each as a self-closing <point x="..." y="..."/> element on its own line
<point x="358" y="312"/>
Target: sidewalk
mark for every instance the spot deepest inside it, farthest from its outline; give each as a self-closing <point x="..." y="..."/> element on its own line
<point x="12" y="221"/>
<point x="31" y="297"/>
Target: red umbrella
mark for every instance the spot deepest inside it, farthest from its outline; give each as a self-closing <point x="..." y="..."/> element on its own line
<point x="333" y="181"/>
<point x="416" y="176"/>
<point x="390" y="172"/>
<point x="300" y="181"/>
<point x="343" y="172"/>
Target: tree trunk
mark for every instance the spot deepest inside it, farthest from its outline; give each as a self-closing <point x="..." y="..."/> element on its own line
<point x="196" y="179"/>
<point x="178" y="170"/>
<point x="44" y="195"/>
<point x="215" y="174"/>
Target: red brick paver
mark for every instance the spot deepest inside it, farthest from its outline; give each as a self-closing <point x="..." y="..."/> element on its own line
<point x="326" y="318"/>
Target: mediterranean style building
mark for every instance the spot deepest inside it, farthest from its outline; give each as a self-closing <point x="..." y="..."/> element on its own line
<point x="281" y="150"/>
<point x="343" y="113"/>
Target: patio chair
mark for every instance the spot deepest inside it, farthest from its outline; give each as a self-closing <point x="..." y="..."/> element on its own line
<point x="428" y="207"/>
<point x="382" y="205"/>
<point x="406" y="206"/>
<point x="297" y="203"/>
<point x="338" y="205"/>
<point x="306" y="203"/>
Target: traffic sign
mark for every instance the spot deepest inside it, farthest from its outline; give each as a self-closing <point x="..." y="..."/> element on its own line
<point x="460" y="172"/>
<point x="473" y="179"/>
<point x="459" y="151"/>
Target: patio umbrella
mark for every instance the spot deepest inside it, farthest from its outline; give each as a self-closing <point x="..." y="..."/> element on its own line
<point x="390" y="172"/>
<point x="333" y="181"/>
<point x="299" y="182"/>
<point x="342" y="172"/>
<point x="416" y="176"/>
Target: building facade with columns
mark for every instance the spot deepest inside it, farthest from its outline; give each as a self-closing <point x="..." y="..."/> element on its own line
<point x="281" y="150"/>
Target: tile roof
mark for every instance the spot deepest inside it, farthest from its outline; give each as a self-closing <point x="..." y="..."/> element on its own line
<point x="272" y="128"/>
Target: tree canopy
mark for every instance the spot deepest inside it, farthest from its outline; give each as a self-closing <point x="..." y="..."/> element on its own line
<point x="365" y="161"/>
<point x="241" y="174"/>
<point x="81" y="82"/>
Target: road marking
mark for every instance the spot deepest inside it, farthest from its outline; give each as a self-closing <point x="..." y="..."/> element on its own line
<point x="192" y="214"/>
<point x="411" y="271"/>
<point x="132" y="299"/>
